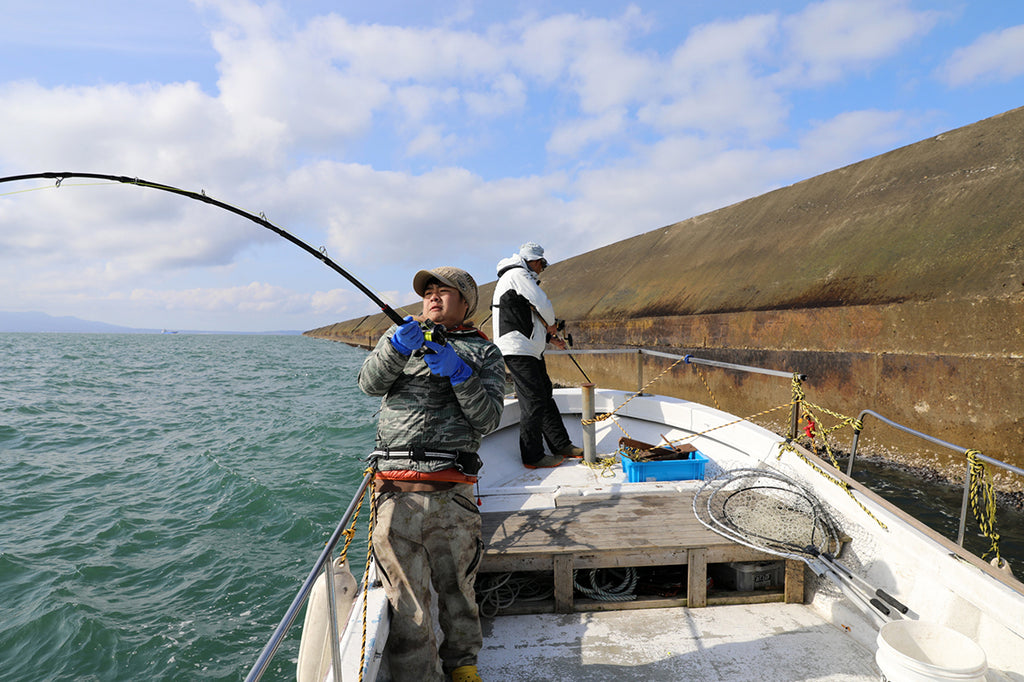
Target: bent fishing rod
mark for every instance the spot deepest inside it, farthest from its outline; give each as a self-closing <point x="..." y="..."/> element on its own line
<point x="261" y="220"/>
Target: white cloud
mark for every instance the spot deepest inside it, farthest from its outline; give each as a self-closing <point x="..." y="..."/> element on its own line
<point x="830" y="37"/>
<point x="997" y="56"/>
<point x="334" y="302"/>
<point x="418" y="102"/>
<point x="714" y="82"/>
<point x="141" y="129"/>
<point x="281" y="87"/>
<point x="839" y="140"/>
<point x="506" y="95"/>
<point x="399" y="145"/>
<point x="403" y="218"/>
<point x="430" y="141"/>
<point x="713" y="46"/>
<point x="571" y="137"/>
<point x="255" y="297"/>
<point x="397" y="54"/>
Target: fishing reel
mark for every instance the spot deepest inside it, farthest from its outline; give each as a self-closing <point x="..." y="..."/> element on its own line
<point x="436" y="333"/>
<point x="433" y="332"/>
<point x="560" y="326"/>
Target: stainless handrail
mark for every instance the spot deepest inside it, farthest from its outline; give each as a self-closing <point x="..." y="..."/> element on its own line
<point x="691" y="360"/>
<point x="936" y="441"/>
<point x="641" y="352"/>
<point x="688" y="358"/>
<point x="270" y="649"/>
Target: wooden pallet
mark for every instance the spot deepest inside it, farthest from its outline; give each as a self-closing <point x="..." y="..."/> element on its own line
<point x="628" y="531"/>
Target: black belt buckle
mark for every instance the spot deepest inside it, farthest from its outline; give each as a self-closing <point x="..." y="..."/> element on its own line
<point x="417" y="454"/>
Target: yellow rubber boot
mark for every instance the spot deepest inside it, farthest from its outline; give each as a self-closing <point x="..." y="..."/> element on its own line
<point x="465" y="673"/>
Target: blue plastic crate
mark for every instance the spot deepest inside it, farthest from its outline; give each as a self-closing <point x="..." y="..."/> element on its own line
<point x="670" y="470"/>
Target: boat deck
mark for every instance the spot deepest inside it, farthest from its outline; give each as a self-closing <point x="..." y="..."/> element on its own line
<point x="767" y="634"/>
<point x="641" y="530"/>
<point x="767" y="642"/>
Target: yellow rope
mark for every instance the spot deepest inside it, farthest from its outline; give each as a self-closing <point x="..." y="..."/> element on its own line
<point x="735" y="421"/>
<point x="983" y="502"/>
<point x="602" y="467"/>
<point x="787" y="446"/>
<point x="809" y="409"/>
<point x="366" y="574"/>
<point x="609" y="415"/>
<point x="821" y="430"/>
<point x="350" y="532"/>
<point x="705" y="382"/>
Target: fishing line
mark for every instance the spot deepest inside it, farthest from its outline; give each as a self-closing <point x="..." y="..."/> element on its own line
<point x="261" y="220"/>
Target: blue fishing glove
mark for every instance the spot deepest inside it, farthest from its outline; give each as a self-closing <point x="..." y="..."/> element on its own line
<point x="408" y="337"/>
<point x="445" y="362"/>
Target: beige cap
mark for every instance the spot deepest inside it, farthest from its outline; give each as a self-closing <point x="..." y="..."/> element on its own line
<point x="449" y="276"/>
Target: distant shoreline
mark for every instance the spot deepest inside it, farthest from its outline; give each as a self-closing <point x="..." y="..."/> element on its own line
<point x="41" y="323"/>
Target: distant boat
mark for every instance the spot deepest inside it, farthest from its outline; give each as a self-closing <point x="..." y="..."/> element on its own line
<point x="164" y="331"/>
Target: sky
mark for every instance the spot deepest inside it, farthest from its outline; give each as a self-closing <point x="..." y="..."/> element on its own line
<point x="400" y="136"/>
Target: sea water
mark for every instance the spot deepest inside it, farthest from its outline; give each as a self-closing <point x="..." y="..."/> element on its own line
<point x="165" y="496"/>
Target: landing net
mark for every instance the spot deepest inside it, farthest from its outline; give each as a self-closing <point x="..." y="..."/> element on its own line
<point x="769" y="511"/>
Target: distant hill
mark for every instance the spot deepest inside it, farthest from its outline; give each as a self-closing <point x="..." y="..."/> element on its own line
<point x="41" y="322"/>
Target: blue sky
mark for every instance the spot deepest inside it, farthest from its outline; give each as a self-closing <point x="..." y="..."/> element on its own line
<point x="404" y="135"/>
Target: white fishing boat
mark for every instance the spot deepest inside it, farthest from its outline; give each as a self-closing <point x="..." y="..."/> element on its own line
<point x="615" y="569"/>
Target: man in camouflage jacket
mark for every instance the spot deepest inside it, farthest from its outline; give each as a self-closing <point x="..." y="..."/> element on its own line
<point x="435" y="409"/>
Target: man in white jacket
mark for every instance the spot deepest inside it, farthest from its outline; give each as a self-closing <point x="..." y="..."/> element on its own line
<point x="522" y="321"/>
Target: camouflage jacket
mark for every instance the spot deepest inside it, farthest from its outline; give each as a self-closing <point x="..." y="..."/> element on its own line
<point x="419" y="409"/>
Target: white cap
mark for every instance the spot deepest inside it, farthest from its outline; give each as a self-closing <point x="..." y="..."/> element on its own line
<point x="531" y="251"/>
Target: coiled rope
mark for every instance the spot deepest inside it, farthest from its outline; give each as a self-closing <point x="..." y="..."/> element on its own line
<point x="500" y="591"/>
<point x="983" y="503"/>
<point x="601" y="590"/>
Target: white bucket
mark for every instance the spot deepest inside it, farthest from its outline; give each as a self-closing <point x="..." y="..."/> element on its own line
<point x="912" y="651"/>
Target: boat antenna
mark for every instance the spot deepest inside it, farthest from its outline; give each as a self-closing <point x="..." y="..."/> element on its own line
<point x="319" y="254"/>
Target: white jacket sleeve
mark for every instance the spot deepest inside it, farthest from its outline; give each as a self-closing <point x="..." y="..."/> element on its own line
<point x="527" y="285"/>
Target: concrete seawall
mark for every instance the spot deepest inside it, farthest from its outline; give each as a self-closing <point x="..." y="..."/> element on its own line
<point x="896" y="284"/>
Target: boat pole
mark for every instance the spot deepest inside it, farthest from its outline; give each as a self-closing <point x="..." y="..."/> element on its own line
<point x="589" y="425"/>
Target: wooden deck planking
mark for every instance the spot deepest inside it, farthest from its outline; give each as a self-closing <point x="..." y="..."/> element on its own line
<point x="632" y="530"/>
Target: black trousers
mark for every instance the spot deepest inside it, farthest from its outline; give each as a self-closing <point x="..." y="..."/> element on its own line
<point x="539" y="420"/>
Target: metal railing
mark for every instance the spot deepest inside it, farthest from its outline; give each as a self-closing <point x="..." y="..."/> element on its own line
<point x="936" y="441"/>
<point x="691" y="360"/>
<point x="794" y="421"/>
<point x="322" y="563"/>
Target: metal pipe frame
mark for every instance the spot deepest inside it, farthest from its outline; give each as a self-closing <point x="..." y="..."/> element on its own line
<point x="936" y="441"/>
<point x="263" y="662"/>
<point x="688" y="358"/>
